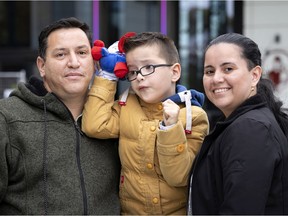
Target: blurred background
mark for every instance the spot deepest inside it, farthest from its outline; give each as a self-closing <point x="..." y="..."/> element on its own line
<point x="190" y="23"/>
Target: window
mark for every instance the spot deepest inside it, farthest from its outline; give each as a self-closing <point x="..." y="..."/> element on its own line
<point x="200" y="22"/>
<point x="14" y="22"/>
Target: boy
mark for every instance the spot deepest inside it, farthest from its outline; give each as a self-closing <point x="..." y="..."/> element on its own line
<point x="156" y="154"/>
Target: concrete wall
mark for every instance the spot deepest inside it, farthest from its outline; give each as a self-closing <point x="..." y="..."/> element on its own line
<point x="266" y="22"/>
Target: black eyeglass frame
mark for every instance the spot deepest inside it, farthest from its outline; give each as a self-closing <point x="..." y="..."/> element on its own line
<point x="139" y="71"/>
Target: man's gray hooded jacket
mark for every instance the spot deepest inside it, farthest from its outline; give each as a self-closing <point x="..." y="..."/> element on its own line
<point x="47" y="164"/>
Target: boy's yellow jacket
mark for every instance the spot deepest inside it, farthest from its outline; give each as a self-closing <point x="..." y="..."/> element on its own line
<point x="155" y="163"/>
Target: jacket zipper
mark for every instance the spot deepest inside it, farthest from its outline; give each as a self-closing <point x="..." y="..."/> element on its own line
<point x="78" y="143"/>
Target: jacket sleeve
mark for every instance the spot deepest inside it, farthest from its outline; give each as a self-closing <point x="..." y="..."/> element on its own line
<point x="3" y="158"/>
<point x="248" y="160"/>
<point x="101" y="113"/>
<point x="177" y="151"/>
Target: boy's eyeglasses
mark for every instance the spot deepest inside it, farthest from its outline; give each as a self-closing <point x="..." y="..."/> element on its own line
<point x="144" y="71"/>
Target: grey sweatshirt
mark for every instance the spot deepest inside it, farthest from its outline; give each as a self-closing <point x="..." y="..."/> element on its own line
<point x="47" y="164"/>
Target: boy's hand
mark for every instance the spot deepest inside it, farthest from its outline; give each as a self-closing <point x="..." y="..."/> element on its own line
<point x="170" y="112"/>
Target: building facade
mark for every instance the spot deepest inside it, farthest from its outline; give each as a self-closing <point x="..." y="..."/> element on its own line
<point x="190" y="23"/>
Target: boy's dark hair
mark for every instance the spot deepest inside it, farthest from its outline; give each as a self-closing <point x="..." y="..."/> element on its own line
<point x="70" y="22"/>
<point x="167" y="47"/>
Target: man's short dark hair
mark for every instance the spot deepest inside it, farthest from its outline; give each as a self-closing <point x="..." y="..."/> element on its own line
<point x="70" y="22"/>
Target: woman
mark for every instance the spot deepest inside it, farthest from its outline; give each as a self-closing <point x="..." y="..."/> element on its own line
<point x="242" y="167"/>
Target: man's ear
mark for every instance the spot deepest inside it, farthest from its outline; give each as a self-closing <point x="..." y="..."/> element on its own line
<point x="256" y="74"/>
<point x="176" y="69"/>
<point x="41" y="66"/>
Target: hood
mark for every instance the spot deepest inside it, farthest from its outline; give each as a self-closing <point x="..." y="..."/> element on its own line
<point x="34" y="93"/>
<point x="196" y="98"/>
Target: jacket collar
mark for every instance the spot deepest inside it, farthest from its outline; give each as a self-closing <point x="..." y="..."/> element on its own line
<point x="251" y="103"/>
<point x="36" y="86"/>
<point x="35" y="94"/>
<point x="254" y="102"/>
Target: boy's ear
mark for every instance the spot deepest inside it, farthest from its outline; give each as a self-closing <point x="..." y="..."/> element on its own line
<point x="176" y="69"/>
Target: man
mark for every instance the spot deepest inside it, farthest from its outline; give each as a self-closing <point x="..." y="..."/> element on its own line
<point x="47" y="164"/>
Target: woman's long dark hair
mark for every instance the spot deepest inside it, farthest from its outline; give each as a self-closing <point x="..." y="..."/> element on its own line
<point x="252" y="54"/>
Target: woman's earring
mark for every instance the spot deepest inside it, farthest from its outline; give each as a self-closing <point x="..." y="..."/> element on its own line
<point x="252" y="88"/>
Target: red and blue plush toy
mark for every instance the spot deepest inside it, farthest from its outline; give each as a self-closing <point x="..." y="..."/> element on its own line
<point x="112" y="60"/>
